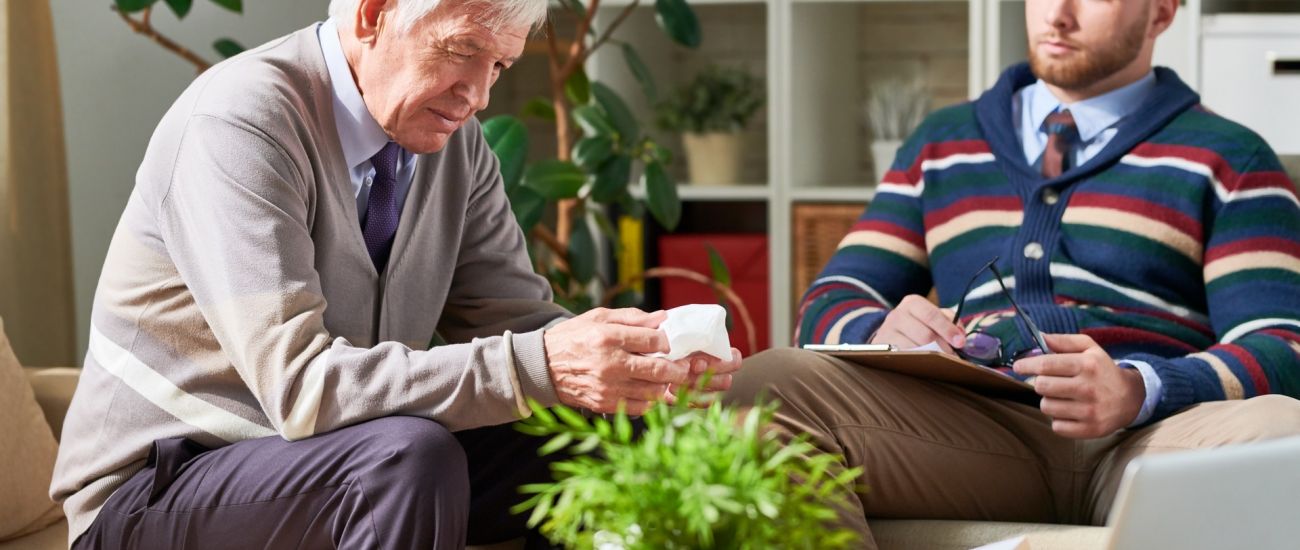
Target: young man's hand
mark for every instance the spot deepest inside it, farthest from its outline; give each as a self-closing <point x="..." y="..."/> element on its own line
<point x="917" y="322"/>
<point x="1084" y="392"/>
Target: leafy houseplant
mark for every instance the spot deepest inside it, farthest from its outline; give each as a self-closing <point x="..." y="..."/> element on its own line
<point x="694" y="478"/>
<point x="142" y="25"/>
<point x="710" y="112"/>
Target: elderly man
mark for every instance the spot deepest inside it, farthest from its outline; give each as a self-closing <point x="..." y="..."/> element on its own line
<point x="1159" y="241"/>
<point x="306" y="216"/>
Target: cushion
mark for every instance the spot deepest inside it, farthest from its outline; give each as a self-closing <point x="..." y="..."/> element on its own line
<point x="26" y="455"/>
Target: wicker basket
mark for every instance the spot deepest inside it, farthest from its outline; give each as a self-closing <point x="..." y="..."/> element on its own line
<point x="818" y="229"/>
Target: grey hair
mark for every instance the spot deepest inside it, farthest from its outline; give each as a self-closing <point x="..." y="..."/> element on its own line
<point x="500" y="13"/>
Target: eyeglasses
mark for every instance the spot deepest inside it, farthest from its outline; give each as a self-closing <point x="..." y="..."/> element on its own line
<point x="985" y="349"/>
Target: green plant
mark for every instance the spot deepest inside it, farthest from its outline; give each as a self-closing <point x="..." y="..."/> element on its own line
<point x="719" y="99"/>
<point x="694" y="478"/>
<point x="142" y="25"/>
<point x="562" y="202"/>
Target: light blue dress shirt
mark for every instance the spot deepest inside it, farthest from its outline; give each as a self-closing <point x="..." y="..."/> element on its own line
<point x="1098" y="119"/>
<point x="359" y="133"/>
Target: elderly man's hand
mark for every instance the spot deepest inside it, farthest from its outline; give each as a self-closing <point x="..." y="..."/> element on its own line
<point x="1084" y="391"/>
<point x="596" y="361"/>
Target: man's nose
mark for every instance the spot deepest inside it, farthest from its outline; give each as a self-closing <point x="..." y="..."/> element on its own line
<point x="474" y="89"/>
<point x="1059" y="14"/>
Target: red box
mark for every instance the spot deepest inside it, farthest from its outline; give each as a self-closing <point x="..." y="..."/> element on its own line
<point x="746" y="258"/>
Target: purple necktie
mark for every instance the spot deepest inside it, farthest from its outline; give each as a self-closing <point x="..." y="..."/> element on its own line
<point x="382" y="210"/>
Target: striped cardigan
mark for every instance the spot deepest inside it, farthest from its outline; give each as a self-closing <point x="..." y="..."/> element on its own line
<point x="1177" y="245"/>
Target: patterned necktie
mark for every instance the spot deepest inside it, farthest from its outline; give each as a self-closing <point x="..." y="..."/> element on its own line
<point x="381" y="207"/>
<point x="1061" y="136"/>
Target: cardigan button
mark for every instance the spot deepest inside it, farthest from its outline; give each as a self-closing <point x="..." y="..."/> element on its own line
<point x="1034" y="251"/>
<point x="1051" y="196"/>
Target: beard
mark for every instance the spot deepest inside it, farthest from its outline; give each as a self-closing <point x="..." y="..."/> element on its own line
<point x="1087" y="66"/>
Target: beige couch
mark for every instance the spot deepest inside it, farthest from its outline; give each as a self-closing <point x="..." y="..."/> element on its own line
<point x="54" y="387"/>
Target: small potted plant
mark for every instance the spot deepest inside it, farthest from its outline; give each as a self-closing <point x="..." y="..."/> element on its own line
<point x="710" y="112"/>
<point x="894" y="107"/>
<point x="695" y="478"/>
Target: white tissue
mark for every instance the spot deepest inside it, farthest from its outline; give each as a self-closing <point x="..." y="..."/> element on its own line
<point x="697" y="327"/>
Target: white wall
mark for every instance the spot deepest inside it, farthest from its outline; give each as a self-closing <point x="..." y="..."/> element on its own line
<point x="116" y="85"/>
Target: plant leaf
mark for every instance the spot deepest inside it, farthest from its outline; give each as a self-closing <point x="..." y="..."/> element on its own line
<point x="227" y="48"/>
<point x="582" y="251"/>
<point x="678" y="20"/>
<point x="538" y="107"/>
<point x="641" y="72"/>
<point x="236" y="6"/>
<point x="578" y="88"/>
<point x="718" y="266"/>
<point x="528" y="207"/>
<point x="555" y="179"/>
<point x="619" y="115"/>
<point x="180" y="7"/>
<point x="590" y="152"/>
<point x="661" y="196"/>
<point x="593" y="121"/>
<point x="612" y="179"/>
<point x="577" y="6"/>
<point x="508" y="138"/>
<point x="132" y="6"/>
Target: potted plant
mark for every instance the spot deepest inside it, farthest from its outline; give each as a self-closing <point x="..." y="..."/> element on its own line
<point x="710" y="112"/>
<point x="894" y="107"/>
<point x="693" y="478"/>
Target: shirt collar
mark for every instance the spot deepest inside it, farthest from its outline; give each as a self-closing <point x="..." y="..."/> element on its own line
<point x="359" y="133"/>
<point x="1095" y="114"/>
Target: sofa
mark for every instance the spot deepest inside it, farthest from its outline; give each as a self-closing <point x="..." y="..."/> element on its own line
<point x="53" y="388"/>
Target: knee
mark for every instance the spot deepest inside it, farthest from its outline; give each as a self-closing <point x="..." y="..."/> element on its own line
<point x="774" y="373"/>
<point x="1271" y="416"/>
<point x="415" y="448"/>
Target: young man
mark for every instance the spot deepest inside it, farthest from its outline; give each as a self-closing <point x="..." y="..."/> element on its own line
<point x="1158" y="242"/>
<point x="307" y="215"/>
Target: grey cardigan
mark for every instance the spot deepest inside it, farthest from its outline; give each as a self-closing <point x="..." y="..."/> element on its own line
<point x="237" y="300"/>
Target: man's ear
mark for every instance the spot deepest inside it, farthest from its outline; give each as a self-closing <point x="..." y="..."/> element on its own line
<point x="1162" y="17"/>
<point x="370" y="19"/>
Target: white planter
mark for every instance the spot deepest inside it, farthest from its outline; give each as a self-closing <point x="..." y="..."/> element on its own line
<point x="882" y="155"/>
<point x="714" y="158"/>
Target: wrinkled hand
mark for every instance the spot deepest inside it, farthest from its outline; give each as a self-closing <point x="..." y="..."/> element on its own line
<point x="595" y="360"/>
<point x="719" y="371"/>
<point x="917" y="322"/>
<point x="1084" y="391"/>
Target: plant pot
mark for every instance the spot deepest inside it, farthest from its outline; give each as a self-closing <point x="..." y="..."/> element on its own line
<point x="882" y="155"/>
<point x="714" y="158"/>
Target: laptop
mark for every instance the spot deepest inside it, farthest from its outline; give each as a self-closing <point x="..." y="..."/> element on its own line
<point x="1240" y="496"/>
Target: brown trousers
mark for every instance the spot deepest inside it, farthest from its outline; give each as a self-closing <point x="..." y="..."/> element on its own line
<point x="937" y="451"/>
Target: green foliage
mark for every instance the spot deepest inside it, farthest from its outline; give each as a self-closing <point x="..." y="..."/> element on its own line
<point x="719" y="99"/>
<point x="677" y="19"/>
<point x="695" y="478"/>
<point x="227" y="47"/>
<point x="610" y="149"/>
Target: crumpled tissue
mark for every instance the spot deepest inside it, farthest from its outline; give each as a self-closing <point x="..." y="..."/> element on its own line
<point x="697" y="327"/>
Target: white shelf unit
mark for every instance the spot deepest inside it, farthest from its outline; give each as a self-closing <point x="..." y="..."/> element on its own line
<point x="809" y="144"/>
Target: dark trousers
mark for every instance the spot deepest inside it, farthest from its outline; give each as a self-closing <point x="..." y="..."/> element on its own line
<point x="390" y="483"/>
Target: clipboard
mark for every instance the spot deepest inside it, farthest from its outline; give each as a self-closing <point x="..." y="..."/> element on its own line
<point x="942" y="367"/>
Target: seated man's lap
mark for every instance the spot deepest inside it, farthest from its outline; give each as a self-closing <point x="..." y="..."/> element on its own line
<point x="388" y="481"/>
<point x="936" y="451"/>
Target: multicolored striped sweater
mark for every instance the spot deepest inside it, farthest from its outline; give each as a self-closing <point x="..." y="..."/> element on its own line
<point x="1177" y="245"/>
